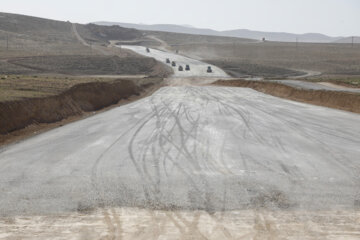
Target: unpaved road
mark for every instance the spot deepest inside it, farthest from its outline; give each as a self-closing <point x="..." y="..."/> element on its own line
<point x="211" y="148"/>
<point x="197" y="68"/>
<point x="188" y="162"/>
<point x="226" y="151"/>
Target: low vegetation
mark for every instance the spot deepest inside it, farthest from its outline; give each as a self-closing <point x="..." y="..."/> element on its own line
<point x="77" y="64"/>
<point x="20" y="87"/>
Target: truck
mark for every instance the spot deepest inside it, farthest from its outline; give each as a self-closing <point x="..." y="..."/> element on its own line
<point x="209" y="70"/>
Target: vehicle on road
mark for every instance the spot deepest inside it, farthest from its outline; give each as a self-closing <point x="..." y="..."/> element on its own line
<point x="187" y="68"/>
<point x="147" y="50"/>
<point x="167" y="60"/>
<point x="181" y="68"/>
<point x="209" y="70"/>
<point x="173" y="63"/>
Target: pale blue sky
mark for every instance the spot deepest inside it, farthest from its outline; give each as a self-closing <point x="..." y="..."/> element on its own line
<point x="332" y="17"/>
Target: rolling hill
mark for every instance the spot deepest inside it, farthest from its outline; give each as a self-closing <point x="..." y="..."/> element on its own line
<point x="240" y="33"/>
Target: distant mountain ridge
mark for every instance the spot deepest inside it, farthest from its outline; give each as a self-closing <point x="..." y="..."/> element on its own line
<point x="349" y="40"/>
<point x="240" y="33"/>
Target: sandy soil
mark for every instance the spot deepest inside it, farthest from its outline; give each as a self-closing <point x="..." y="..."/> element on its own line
<point x="133" y="223"/>
<point x="333" y="85"/>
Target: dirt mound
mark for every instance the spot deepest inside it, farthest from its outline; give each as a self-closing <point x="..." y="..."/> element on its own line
<point x="80" y="98"/>
<point x="333" y="99"/>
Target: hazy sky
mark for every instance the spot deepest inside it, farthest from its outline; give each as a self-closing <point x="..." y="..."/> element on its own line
<point x="332" y="17"/>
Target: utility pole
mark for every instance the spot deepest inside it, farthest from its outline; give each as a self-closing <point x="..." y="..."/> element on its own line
<point x="7" y="42"/>
<point x="297" y="41"/>
<point x="352" y="41"/>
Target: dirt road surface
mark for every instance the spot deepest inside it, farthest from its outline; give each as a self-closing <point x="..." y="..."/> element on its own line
<point x="214" y="149"/>
<point x="198" y="74"/>
<point x="197" y="68"/>
<point x="188" y="162"/>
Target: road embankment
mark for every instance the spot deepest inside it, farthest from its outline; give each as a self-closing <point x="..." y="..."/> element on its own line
<point x="333" y="99"/>
<point x="25" y="117"/>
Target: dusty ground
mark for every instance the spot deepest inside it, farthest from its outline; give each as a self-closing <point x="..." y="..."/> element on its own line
<point x="83" y="65"/>
<point x="329" y="59"/>
<point x="197" y="68"/>
<point x="31" y="36"/>
<point x="133" y="223"/>
<point x="244" y="69"/>
<point x="18" y="87"/>
<point x="200" y="162"/>
<point x="327" y="95"/>
<point x="27" y="102"/>
<point x="188" y="148"/>
<point x="343" y="80"/>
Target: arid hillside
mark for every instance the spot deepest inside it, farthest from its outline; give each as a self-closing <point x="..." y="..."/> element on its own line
<point x="26" y="36"/>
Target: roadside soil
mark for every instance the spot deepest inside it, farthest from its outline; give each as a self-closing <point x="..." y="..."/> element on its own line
<point x="241" y="69"/>
<point x="342" y="80"/>
<point x="339" y="100"/>
<point x="78" y="102"/>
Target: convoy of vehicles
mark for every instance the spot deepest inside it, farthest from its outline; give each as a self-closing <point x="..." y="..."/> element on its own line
<point x="187" y="66"/>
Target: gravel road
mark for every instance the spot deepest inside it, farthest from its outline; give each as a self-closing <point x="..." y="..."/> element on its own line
<point x="229" y="163"/>
<point x="197" y="68"/>
<point x="207" y="148"/>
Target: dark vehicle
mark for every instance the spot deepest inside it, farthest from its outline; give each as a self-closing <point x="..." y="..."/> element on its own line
<point x="167" y="60"/>
<point x="187" y="68"/>
<point x="181" y="68"/>
<point x="173" y="63"/>
<point x="209" y="70"/>
<point x="147" y="50"/>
